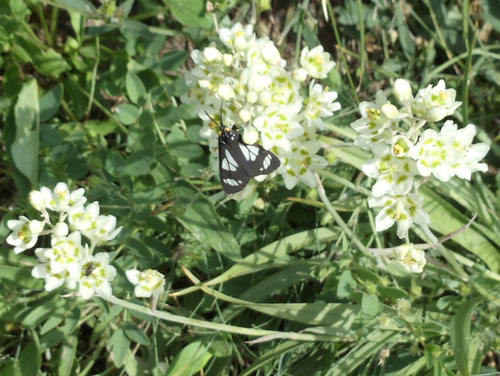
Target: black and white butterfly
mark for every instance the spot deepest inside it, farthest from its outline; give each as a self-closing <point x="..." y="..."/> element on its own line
<point x="239" y="162"/>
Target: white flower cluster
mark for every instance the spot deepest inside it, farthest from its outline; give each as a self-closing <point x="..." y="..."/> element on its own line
<point x="249" y="81"/>
<point x="404" y="154"/>
<point x="67" y="260"/>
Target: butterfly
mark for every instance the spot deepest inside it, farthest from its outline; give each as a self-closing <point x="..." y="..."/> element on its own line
<point x="239" y="162"/>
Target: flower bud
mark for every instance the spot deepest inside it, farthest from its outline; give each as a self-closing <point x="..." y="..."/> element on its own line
<point x="265" y="98"/>
<point x="60" y="229"/>
<point x="389" y="110"/>
<point x="227" y="59"/>
<point x="250" y="135"/>
<point x="270" y="54"/>
<point x="244" y="115"/>
<point x="251" y="97"/>
<point x="299" y="74"/>
<point x="37" y="200"/>
<point x="402" y="90"/>
<point x="240" y="43"/>
<point x="35" y="226"/>
<point x="212" y="54"/>
<point x="225" y="92"/>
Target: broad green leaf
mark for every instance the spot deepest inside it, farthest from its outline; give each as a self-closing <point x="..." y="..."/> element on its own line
<point x="338" y="315"/>
<point x="347" y="284"/>
<point x="190" y="360"/>
<point x="42" y="312"/>
<point x="25" y="147"/>
<point x="190" y="12"/>
<point x="101" y="127"/>
<point x="120" y="345"/>
<point x="276" y="250"/>
<point x="173" y="60"/>
<point x="50" y="102"/>
<point x="365" y="350"/>
<point x="66" y="354"/>
<point x="81" y="6"/>
<point x="370" y="305"/>
<point x="30" y="359"/>
<point x="135" y="88"/>
<point x="461" y="336"/>
<point x="405" y="37"/>
<point x="139" y="163"/>
<point x="201" y="219"/>
<point x="445" y="218"/>
<point x="50" y="63"/>
<point x="133" y="333"/>
<point x="138" y="248"/>
<point x="128" y="113"/>
<point x="18" y="277"/>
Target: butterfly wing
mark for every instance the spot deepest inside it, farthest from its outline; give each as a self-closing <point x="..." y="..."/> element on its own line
<point x="233" y="176"/>
<point x="239" y="162"/>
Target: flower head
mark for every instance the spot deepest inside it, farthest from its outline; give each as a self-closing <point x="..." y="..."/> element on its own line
<point x="434" y="102"/>
<point x="24" y="233"/>
<point x="148" y="282"/>
<point x="412" y="259"/>
<point x="316" y="62"/>
<point x="96" y="275"/>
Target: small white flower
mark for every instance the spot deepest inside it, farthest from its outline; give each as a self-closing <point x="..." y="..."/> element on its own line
<point x="394" y="174"/>
<point x="238" y="37"/>
<point x="320" y="104"/>
<point x="301" y="163"/>
<point x="316" y="62"/>
<point x="404" y="210"/>
<point x="66" y="254"/>
<point x="148" y="282"/>
<point x="96" y="275"/>
<point x="24" y="233"/>
<point x="434" y="102"/>
<point x="413" y="259"/>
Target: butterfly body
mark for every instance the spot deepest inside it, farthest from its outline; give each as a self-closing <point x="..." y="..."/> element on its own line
<point x="239" y="162"/>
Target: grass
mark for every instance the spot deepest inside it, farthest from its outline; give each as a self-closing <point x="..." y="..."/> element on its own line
<point x="90" y="96"/>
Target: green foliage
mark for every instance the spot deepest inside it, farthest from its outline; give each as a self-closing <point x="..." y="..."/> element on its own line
<point x="90" y="95"/>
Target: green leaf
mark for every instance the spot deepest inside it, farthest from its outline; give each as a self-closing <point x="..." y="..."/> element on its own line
<point x="370" y="305"/>
<point x="190" y="360"/>
<point x="25" y="147"/>
<point x="190" y="12"/>
<point x="460" y="335"/>
<point x="173" y="60"/>
<point x="347" y="284"/>
<point x="135" y="88"/>
<point x="30" y="359"/>
<point x="50" y="63"/>
<point x="139" y="163"/>
<point x="66" y="354"/>
<point x="405" y="38"/>
<point x="42" y="312"/>
<point x="50" y="102"/>
<point x="120" y="345"/>
<point x="133" y="333"/>
<point x="201" y="219"/>
<point x="18" y="277"/>
<point x="128" y="113"/>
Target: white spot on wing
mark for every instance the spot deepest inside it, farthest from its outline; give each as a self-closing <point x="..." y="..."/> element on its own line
<point x="250" y="152"/>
